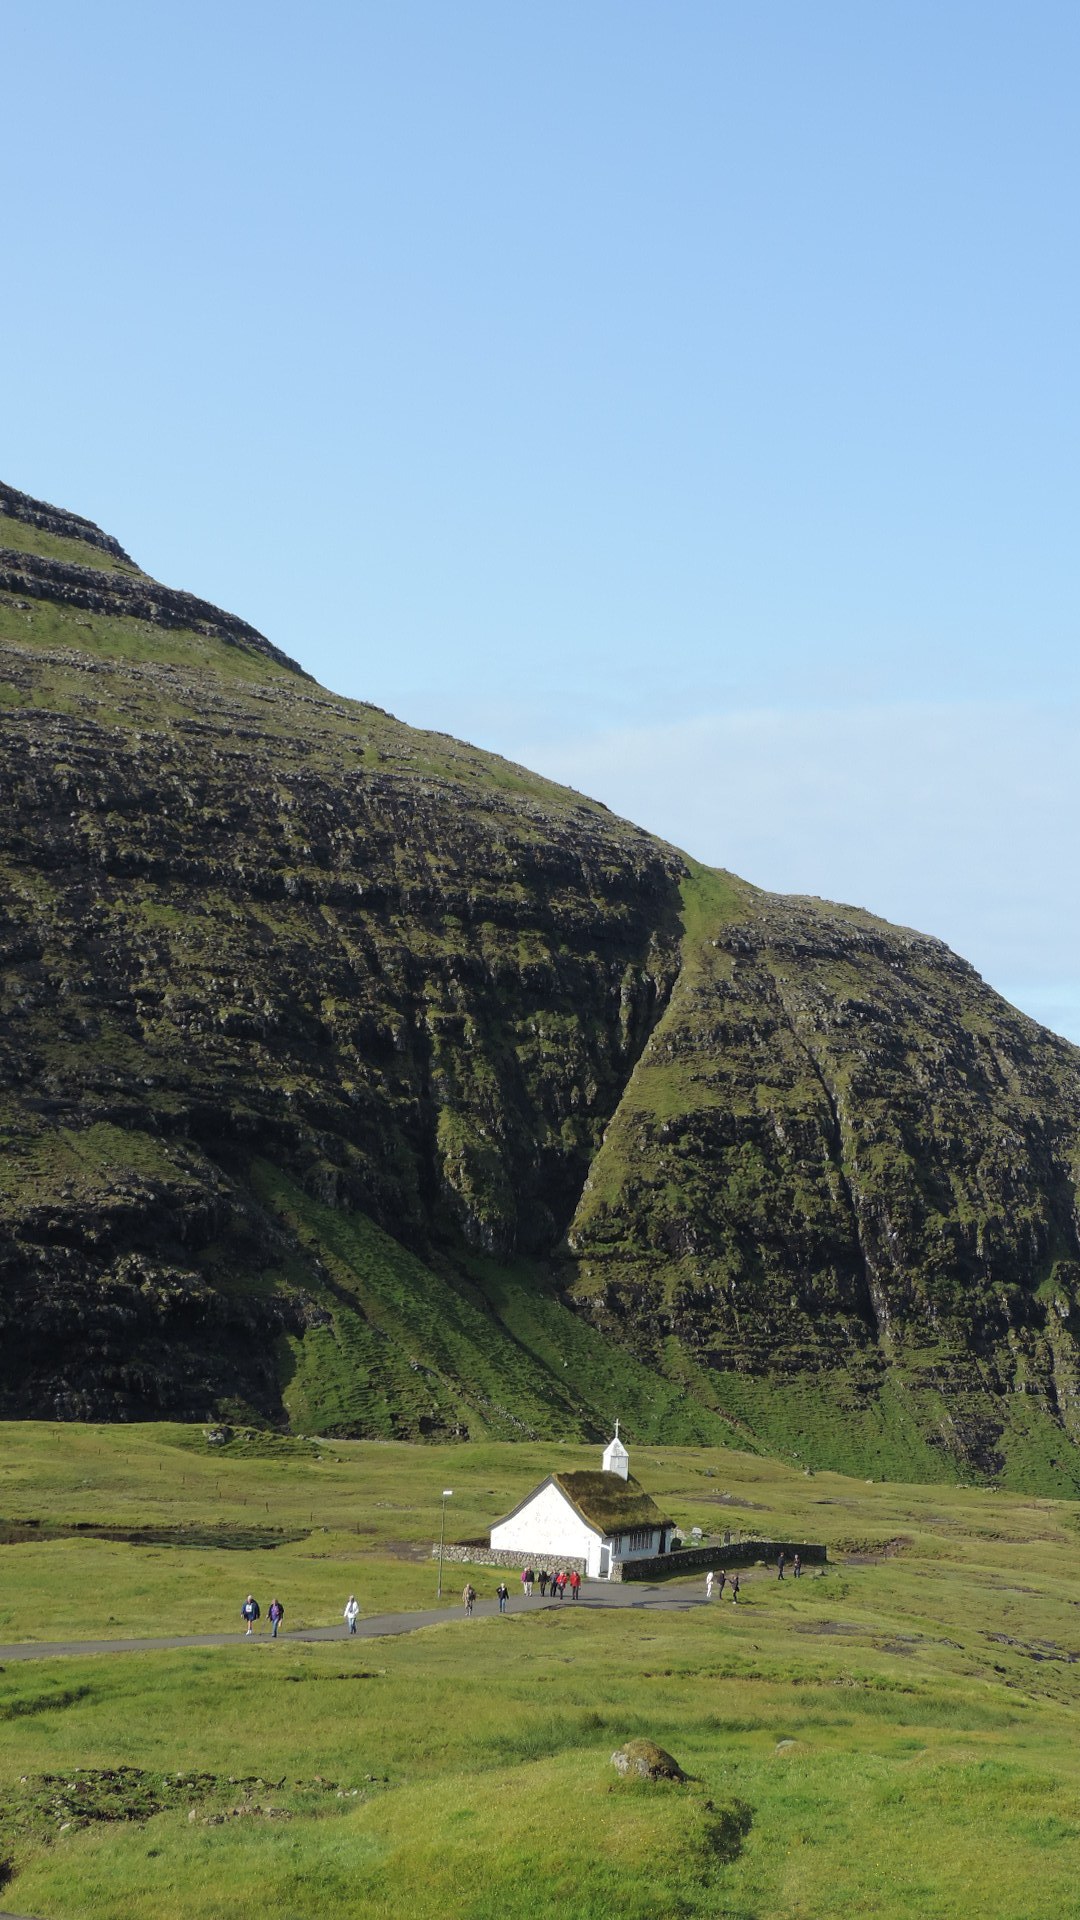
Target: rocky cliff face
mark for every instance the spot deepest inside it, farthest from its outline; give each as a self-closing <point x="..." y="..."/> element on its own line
<point x="841" y="1154"/>
<point x="351" y="1075"/>
<point x="244" y="919"/>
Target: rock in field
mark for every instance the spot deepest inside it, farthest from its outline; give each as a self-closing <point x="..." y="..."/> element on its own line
<point x="646" y="1759"/>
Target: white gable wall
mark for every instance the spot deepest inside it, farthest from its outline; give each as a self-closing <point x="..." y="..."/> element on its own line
<point x="547" y="1527"/>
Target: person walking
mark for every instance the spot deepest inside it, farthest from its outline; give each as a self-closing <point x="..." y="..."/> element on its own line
<point x="796" y="1568"/>
<point x="709" y="1584"/>
<point x="780" y="1558"/>
<point x="542" y="1581"/>
<point x="734" y="1589"/>
<point x="352" y="1608"/>
<point x="275" y="1615"/>
<point x="526" y="1581"/>
<point x="250" y="1612"/>
<point x="575" y="1582"/>
<point x="468" y="1596"/>
<point x="721" y="1583"/>
<point x="502" y="1595"/>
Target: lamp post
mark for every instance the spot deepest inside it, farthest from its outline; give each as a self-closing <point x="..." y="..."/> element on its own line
<point x="448" y="1493"/>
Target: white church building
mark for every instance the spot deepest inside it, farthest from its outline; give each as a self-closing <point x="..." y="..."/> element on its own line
<point x="600" y="1518"/>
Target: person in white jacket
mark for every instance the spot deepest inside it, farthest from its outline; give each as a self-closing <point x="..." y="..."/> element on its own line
<point x="352" y="1608"/>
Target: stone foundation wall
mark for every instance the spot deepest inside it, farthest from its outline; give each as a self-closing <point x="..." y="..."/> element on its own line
<point x="502" y="1557"/>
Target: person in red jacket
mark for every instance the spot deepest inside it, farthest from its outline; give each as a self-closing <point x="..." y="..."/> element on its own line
<point x="575" y="1582"/>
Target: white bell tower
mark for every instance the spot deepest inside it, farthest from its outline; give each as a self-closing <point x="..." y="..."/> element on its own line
<point x="616" y="1458"/>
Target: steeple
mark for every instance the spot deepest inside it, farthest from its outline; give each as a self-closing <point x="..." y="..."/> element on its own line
<point x="616" y="1458"/>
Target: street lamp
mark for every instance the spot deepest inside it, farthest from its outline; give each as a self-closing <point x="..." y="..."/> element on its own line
<point x="448" y="1494"/>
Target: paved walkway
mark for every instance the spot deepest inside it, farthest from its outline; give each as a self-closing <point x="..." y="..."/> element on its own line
<point x="672" y="1596"/>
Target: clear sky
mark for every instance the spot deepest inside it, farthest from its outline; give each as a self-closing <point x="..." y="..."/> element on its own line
<point x="682" y="399"/>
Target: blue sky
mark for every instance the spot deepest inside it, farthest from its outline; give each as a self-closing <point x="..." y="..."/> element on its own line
<point x="683" y="400"/>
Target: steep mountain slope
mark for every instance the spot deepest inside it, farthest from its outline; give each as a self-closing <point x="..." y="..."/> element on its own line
<point x="841" y="1156"/>
<point x="354" y="1076"/>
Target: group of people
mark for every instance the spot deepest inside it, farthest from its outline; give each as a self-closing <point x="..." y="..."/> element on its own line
<point x="716" y="1582"/>
<point x="558" y="1581"/>
<point x="251" y="1611"/>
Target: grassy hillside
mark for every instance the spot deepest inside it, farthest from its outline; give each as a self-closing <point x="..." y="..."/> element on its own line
<point x="896" y="1735"/>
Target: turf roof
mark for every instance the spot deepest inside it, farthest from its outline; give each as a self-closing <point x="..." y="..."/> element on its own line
<point x="609" y="1502"/>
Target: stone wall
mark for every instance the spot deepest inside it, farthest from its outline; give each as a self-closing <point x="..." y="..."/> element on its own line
<point x="503" y="1557"/>
<point x="746" y="1553"/>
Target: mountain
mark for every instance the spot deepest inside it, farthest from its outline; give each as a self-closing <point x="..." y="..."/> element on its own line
<point x="355" y="1078"/>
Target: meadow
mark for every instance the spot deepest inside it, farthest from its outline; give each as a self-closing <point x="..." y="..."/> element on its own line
<point x="894" y="1735"/>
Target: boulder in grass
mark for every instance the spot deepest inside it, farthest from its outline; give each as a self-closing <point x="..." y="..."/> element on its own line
<point x="647" y="1760"/>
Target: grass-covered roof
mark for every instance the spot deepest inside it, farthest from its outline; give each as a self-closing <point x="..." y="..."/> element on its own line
<point x="609" y="1502"/>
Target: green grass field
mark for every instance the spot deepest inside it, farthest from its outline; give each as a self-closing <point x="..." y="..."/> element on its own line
<point x="894" y="1736"/>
